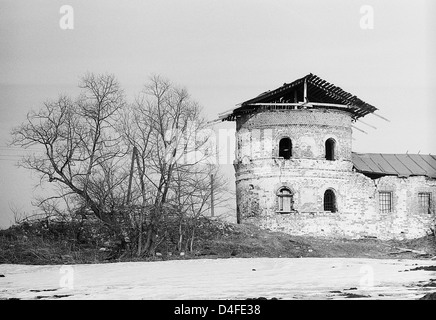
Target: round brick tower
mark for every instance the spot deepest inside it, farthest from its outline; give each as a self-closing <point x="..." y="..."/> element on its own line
<point x="293" y="156"/>
<point x="291" y="161"/>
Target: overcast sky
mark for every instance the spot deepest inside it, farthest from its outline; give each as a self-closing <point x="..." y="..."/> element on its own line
<point x="223" y="52"/>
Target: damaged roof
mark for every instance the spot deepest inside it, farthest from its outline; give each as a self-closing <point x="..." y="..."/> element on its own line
<point x="306" y="90"/>
<point x="401" y="165"/>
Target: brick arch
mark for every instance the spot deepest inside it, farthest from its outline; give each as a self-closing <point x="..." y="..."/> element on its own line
<point x="330" y="200"/>
<point x="336" y="145"/>
<point x="284" y="186"/>
<point x="276" y="189"/>
<point x="276" y="142"/>
<point x="285" y="201"/>
<point x="330" y="149"/>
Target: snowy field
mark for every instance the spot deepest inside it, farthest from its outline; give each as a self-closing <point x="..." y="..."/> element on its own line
<point x="282" y="278"/>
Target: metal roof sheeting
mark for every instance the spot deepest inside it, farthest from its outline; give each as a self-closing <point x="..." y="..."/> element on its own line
<point x="402" y="165"/>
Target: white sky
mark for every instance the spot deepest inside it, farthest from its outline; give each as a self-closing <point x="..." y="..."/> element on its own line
<point x="224" y="52"/>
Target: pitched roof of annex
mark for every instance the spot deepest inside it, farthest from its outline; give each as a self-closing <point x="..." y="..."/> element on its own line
<point x="401" y="165"/>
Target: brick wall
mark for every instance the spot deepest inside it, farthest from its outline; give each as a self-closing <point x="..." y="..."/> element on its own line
<point x="258" y="135"/>
<point x="260" y="174"/>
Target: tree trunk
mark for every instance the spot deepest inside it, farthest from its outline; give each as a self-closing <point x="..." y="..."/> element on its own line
<point x="192" y="240"/>
<point x="150" y="242"/>
<point x="179" y="245"/>
<point x="139" y="252"/>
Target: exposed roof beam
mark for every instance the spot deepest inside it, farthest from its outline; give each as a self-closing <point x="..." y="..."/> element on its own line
<point x="284" y="104"/>
<point x="212" y="122"/>
<point x="297" y="104"/>
<point x="354" y="127"/>
<point x="369" y="125"/>
<point x="381" y="117"/>
<point x="224" y="112"/>
<point x="305" y="91"/>
<point x="312" y="88"/>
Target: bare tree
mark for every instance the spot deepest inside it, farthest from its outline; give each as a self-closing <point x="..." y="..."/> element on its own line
<point x="81" y="149"/>
<point x="133" y="166"/>
<point x="193" y="187"/>
<point x="161" y="127"/>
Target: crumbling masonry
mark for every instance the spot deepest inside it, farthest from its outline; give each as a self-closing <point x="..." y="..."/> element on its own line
<point x="296" y="172"/>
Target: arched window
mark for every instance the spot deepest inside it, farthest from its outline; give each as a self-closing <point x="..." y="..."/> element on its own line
<point x="330" y="149"/>
<point x="285" y="148"/>
<point x="286" y="200"/>
<point x="329" y="201"/>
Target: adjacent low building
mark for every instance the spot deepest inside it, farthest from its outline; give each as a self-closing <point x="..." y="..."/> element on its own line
<point x="296" y="172"/>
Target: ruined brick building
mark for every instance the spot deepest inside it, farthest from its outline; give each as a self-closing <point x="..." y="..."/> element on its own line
<point x="296" y="171"/>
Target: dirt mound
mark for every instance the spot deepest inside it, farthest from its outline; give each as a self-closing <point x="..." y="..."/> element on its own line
<point x="250" y="241"/>
<point x="214" y="239"/>
<point x="429" y="296"/>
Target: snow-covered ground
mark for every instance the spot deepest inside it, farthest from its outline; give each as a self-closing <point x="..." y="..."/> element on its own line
<point x="283" y="278"/>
